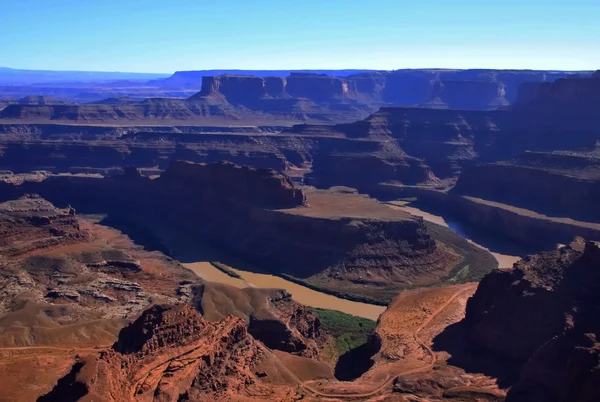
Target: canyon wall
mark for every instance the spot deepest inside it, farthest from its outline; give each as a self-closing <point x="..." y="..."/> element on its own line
<point x="259" y="216"/>
<point x="400" y="87"/>
<point x="520" y="226"/>
<point x="553" y="184"/>
<point x="542" y="314"/>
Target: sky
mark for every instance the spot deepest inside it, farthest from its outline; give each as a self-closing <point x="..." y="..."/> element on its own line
<point x="164" y="36"/>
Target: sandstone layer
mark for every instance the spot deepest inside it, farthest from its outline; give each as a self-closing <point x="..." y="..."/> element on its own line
<point x="556" y="184"/>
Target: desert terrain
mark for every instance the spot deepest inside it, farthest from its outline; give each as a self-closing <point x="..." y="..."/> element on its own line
<point x="409" y="235"/>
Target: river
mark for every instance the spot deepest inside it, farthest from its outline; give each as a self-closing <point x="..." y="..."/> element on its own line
<point x="300" y="293"/>
<point x="200" y="264"/>
<point x="504" y="260"/>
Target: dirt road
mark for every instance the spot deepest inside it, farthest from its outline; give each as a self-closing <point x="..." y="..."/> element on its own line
<point x="388" y="382"/>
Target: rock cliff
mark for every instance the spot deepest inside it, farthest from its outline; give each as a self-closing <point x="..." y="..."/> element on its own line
<point x="467" y="95"/>
<point x="169" y="353"/>
<point x="556" y="184"/>
<point x="32" y="223"/>
<point x="455" y="89"/>
<point x="543" y="314"/>
<point x="153" y="109"/>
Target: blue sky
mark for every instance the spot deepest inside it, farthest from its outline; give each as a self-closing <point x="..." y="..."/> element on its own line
<point x="169" y="35"/>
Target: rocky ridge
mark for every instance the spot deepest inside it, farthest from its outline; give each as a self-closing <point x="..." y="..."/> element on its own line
<point x="272" y="316"/>
<point x="32" y="223"/>
<point x="543" y="314"/>
<point x="170" y="353"/>
<point x="69" y="284"/>
<point x="60" y="279"/>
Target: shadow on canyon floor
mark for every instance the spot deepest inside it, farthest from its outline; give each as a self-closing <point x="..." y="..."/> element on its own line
<point x="355" y="362"/>
<point x="186" y="248"/>
<point x="455" y="340"/>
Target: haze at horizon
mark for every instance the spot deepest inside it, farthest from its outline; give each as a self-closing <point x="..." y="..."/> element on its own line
<point x="162" y="37"/>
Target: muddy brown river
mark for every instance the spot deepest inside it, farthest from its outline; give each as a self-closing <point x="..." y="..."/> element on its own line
<point x="300" y="293"/>
<point x="202" y="267"/>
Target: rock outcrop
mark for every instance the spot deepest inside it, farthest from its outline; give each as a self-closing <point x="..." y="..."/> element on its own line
<point x="241" y="184"/>
<point x="32" y="223"/>
<point x="60" y="283"/>
<point x="169" y="353"/>
<point x="69" y="285"/>
<point x="543" y="314"/>
<point x="273" y="317"/>
<point x="455" y="89"/>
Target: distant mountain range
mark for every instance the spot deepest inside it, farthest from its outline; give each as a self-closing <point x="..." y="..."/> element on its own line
<point x="264" y="90"/>
<point x="11" y="76"/>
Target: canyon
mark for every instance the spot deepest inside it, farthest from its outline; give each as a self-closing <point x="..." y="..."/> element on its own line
<point x="479" y="165"/>
<point x="345" y="244"/>
<point x="397" y="195"/>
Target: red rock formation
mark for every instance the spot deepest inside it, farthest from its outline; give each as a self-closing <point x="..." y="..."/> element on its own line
<point x="33" y="223"/>
<point x="555" y="184"/>
<point x="275" y="87"/>
<point x="318" y="87"/>
<point x="544" y="312"/>
<point x="153" y="108"/>
<point x="273" y="317"/>
<point x="169" y="353"/>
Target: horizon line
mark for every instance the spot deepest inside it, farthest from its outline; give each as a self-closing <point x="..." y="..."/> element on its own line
<point x="306" y="69"/>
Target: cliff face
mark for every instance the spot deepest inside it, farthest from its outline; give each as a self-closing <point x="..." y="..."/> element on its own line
<point x="544" y="311"/>
<point x="454" y="89"/>
<point x="358" y="170"/>
<point x="556" y="184"/>
<point x="77" y="148"/>
<point x="316" y="87"/>
<point x="467" y="95"/>
<point x="241" y="184"/>
<point x="32" y="223"/>
<point x="236" y="89"/>
<point x="409" y="145"/>
<point x="159" y="109"/>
